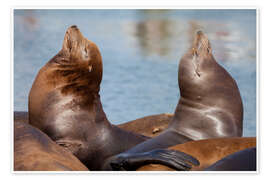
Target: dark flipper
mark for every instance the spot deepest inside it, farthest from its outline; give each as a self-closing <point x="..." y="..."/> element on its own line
<point x="174" y="159"/>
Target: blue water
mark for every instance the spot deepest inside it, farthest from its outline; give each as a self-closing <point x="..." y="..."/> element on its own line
<point x="141" y="50"/>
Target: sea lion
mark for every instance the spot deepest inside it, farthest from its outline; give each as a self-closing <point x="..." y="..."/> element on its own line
<point x="64" y="102"/>
<point x="207" y="151"/>
<point x="210" y="105"/>
<point x="35" y="151"/>
<point x="245" y="160"/>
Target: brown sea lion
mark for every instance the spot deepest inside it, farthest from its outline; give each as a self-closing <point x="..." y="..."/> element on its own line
<point x="210" y="105"/>
<point x="35" y="151"/>
<point x="64" y="103"/>
<point x="207" y="151"/>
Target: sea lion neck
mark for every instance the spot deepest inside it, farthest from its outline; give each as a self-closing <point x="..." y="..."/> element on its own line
<point x="73" y="78"/>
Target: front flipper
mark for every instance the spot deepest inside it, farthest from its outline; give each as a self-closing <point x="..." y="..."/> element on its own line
<point x="174" y="159"/>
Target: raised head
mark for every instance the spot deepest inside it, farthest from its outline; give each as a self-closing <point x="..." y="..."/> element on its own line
<point x="80" y="63"/>
<point x="76" y="71"/>
<point x="201" y="45"/>
<point x="78" y="47"/>
<point x="196" y="58"/>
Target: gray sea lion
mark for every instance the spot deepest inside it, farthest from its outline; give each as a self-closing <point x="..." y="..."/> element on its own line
<point x="64" y="103"/>
<point x="210" y="105"/>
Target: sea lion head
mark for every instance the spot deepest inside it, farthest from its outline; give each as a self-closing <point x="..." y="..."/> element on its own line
<point x="76" y="45"/>
<point x="79" y="64"/>
<point x="200" y="47"/>
<point x="74" y="73"/>
<point x="195" y="63"/>
<point x="82" y="52"/>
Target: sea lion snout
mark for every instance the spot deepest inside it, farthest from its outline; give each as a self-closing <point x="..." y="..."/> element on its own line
<point x="77" y="47"/>
<point x="73" y="33"/>
<point x="73" y="38"/>
<point x="201" y="44"/>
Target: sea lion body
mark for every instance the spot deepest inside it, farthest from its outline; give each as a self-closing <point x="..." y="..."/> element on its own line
<point x="64" y="103"/>
<point x="35" y="151"/>
<point x="207" y="151"/>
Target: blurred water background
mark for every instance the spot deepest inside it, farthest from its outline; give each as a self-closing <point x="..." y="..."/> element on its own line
<point x="141" y="50"/>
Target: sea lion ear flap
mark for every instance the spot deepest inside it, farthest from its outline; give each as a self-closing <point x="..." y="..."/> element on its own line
<point x="201" y="43"/>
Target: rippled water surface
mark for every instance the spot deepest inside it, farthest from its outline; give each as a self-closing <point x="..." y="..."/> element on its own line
<point x="141" y="50"/>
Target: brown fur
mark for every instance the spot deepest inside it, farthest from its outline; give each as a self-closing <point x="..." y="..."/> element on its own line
<point x="150" y="126"/>
<point x="35" y="151"/>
